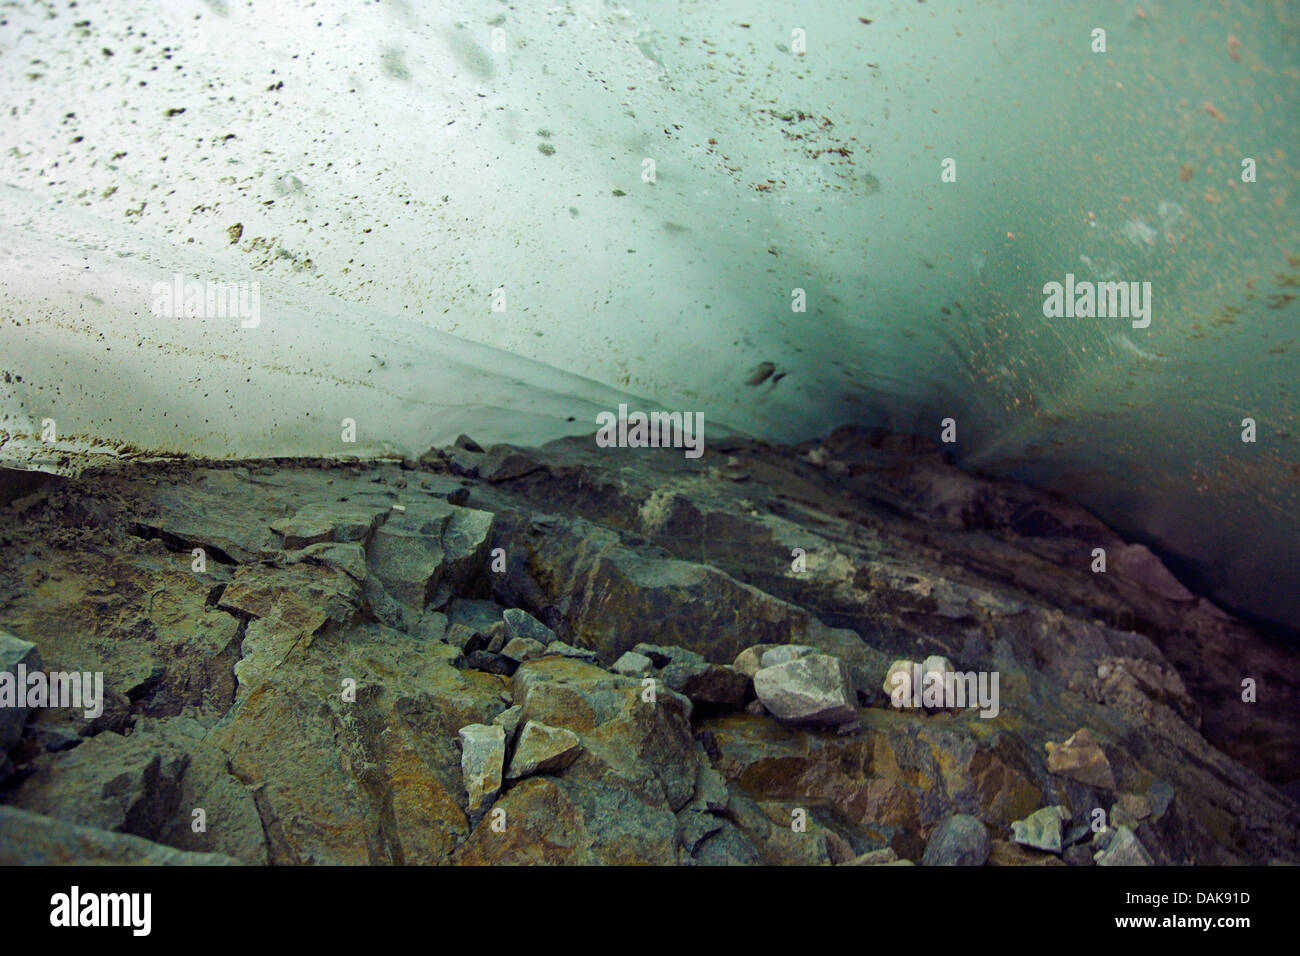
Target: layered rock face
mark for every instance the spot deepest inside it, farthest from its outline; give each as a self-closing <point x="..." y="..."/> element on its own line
<point x="584" y="655"/>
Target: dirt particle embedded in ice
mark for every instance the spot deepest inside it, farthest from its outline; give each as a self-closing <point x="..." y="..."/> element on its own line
<point x="760" y="373"/>
<point x="393" y="63"/>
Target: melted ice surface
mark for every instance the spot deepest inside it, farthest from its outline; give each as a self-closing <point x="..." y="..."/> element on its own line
<point x="398" y="168"/>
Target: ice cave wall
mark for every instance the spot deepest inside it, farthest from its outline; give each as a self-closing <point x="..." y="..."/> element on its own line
<point x="450" y="213"/>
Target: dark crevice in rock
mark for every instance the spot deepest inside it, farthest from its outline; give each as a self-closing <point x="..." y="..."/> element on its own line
<point x="177" y="543"/>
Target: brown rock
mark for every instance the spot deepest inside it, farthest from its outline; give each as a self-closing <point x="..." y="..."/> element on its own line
<point x="1081" y="758"/>
<point x="749" y="660"/>
<point x="1003" y="853"/>
<point x="543" y="749"/>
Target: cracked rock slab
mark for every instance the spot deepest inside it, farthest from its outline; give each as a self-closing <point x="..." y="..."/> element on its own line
<point x="32" y="839"/>
<point x="483" y="754"/>
<point x="543" y="749"/>
<point x="960" y="840"/>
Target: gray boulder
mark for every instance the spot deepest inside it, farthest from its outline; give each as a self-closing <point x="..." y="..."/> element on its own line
<point x="815" y="689"/>
<point x="632" y="664"/>
<point x="428" y="546"/>
<point x="520" y="623"/>
<point x="408" y="564"/>
<point x="522" y="649"/>
<point x="960" y="840"/>
<point x="482" y="757"/>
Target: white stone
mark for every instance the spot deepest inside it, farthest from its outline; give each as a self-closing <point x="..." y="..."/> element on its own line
<point x="815" y="689"/>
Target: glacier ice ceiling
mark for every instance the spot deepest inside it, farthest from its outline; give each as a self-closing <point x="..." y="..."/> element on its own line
<point x="503" y="218"/>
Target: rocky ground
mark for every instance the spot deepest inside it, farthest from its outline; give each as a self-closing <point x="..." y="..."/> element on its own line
<point x="577" y="655"/>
